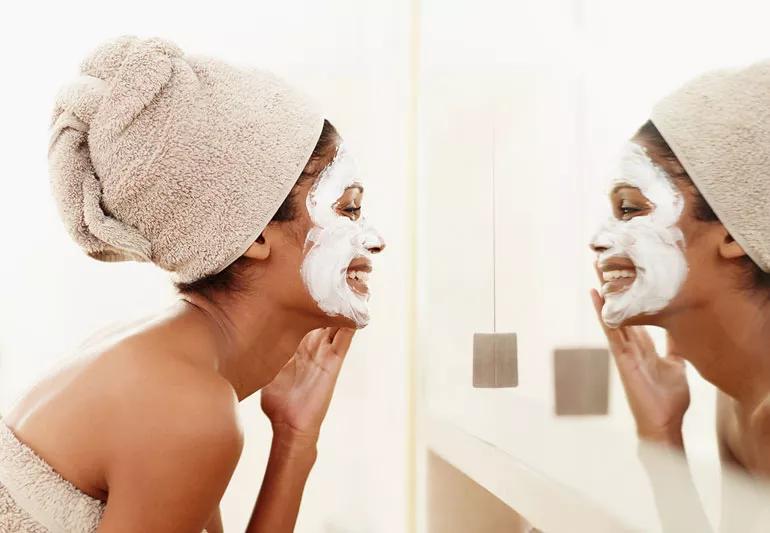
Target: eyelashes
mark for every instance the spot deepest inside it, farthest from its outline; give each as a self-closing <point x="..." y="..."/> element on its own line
<point x="628" y="210"/>
<point x="353" y="212"/>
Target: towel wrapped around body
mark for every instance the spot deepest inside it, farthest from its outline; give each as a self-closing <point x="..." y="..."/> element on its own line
<point x="34" y="498"/>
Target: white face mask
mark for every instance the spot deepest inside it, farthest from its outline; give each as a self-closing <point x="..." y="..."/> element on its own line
<point x="334" y="242"/>
<point x="653" y="243"/>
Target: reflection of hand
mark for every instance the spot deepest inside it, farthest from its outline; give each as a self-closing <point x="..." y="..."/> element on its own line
<point x="676" y="497"/>
<point x="297" y="399"/>
<point x="656" y="387"/>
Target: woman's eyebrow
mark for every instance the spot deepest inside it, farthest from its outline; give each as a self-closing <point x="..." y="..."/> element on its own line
<point x="356" y="186"/>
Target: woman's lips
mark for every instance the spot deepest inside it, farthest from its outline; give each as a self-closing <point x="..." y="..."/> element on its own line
<point x="618" y="275"/>
<point x="358" y="275"/>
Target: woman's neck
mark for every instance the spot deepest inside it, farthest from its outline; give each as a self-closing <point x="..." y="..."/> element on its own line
<point x="247" y="342"/>
<point x="728" y="342"/>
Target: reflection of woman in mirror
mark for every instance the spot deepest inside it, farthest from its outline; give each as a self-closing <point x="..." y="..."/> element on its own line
<point x="688" y="249"/>
<point x="228" y="179"/>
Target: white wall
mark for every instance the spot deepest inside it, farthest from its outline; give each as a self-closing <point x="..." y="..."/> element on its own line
<point x="354" y="58"/>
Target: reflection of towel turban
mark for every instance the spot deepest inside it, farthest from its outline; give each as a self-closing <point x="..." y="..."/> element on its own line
<point x="718" y="125"/>
<point x="179" y="160"/>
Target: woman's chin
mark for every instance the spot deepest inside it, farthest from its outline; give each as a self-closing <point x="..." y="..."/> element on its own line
<point x="340" y="321"/>
<point x="352" y="324"/>
<point x="636" y="320"/>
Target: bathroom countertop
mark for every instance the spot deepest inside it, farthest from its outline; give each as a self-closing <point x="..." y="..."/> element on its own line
<point x="558" y="472"/>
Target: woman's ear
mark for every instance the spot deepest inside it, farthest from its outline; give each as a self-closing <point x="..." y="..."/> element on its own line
<point x="729" y="247"/>
<point x="259" y="249"/>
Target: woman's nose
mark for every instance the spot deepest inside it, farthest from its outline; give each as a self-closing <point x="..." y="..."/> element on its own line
<point x="598" y="248"/>
<point x="601" y="242"/>
<point x="377" y="246"/>
<point x="376" y="249"/>
<point x="374" y="242"/>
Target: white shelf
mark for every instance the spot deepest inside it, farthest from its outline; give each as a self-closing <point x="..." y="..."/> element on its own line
<point x="546" y="502"/>
<point x="573" y="475"/>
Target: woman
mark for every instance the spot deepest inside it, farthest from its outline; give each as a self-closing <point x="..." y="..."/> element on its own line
<point x="230" y="180"/>
<point x="688" y="250"/>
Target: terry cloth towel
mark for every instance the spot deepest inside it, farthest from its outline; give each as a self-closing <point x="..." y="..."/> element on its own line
<point x="36" y="499"/>
<point x="718" y="125"/>
<point x="179" y="160"/>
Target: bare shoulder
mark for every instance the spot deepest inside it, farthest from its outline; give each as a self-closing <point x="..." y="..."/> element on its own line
<point x="138" y="423"/>
<point x="174" y="439"/>
<point x="759" y="435"/>
<point x="760" y="421"/>
<point x="155" y="397"/>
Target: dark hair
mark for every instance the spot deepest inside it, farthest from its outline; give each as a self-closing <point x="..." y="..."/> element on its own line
<point x="231" y="278"/>
<point x="657" y="145"/>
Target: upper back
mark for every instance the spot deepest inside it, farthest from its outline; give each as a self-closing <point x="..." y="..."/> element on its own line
<point x="110" y="401"/>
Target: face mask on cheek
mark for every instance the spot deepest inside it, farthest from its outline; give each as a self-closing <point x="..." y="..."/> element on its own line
<point x="653" y="243"/>
<point x="334" y="242"/>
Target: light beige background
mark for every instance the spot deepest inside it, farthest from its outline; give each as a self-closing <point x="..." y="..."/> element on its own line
<point x="436" y="98"/>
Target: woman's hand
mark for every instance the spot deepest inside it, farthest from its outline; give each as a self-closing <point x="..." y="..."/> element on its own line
<point x="296" y="402"/>
<point x="656" y="387"/>
<point x="297" y="399"/>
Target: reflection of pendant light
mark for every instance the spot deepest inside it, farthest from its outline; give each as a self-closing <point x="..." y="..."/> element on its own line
<point x="581" y="379"/>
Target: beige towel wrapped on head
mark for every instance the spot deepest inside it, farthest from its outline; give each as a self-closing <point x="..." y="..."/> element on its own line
<point x="179" y="160"/>
<point x="718" y="125"/>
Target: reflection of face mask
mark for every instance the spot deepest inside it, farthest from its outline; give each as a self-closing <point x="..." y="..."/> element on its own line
<point x="335" y="241"/>
<point x="653" y="242"/>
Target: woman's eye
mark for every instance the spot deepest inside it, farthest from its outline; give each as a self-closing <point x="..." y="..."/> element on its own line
<point x="351" y="212"/>
<point x="628" y="210"/>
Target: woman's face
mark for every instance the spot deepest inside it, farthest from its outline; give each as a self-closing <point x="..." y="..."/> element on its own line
<point x="649" y="255"/>
<point x="335" y="245"/>
<point x="341" y="242"/>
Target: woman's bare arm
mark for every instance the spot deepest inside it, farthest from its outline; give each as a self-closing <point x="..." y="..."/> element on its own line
<point x="173" y="442"/>
<point x="171" y="488"/>
<point x="279" y="498"/>
<point x="296" y="402"/>
<point x="676" y="497"/>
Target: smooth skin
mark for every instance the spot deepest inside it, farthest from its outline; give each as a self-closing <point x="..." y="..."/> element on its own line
<point x="145" y="418"/>
<point x="717" y="324"/>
